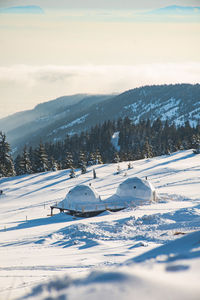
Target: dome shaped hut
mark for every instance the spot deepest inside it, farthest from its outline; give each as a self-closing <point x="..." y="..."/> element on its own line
<point x="82" y="200"/>
<point x="137" y="190"/>
<point x="132" y="192"/>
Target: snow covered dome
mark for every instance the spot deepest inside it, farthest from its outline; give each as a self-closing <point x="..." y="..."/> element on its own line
<point x="131" y="192"/>
<point x="136" y="189"/>
<point x="81" y="197"/>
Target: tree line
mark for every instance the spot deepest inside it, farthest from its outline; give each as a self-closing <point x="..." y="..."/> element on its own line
<point x="135" y="141"/>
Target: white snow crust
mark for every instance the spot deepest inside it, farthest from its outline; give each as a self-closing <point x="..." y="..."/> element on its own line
<point x="150" y="251"/>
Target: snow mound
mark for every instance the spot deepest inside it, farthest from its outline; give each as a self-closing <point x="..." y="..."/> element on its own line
<point x="130" y="282"/>
<point x="186" y="247"/>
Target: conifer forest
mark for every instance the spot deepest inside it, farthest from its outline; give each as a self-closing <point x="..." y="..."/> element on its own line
<point x="95" y="146"/>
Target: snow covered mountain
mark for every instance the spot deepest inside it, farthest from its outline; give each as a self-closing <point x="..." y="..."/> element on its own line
<point x="26" y="9"/>
<point x="47" y="119"/>
<point x="177" y="10"/>
<point x="151" y="251"/>
<point x="52" y="120"/>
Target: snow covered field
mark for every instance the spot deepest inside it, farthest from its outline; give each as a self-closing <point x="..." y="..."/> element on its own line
<point x="152" y="251"/>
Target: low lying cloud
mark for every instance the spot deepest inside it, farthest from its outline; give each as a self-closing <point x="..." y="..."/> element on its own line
<point x="23" y="86"/>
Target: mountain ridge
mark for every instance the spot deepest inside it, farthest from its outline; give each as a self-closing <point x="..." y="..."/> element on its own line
<point x="177" y="9"/>
<point x="25" y="9"/>
<point x="48" y="121"/>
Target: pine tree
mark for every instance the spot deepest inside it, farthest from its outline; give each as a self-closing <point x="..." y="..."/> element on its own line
<point x="98" y="158"/>
<point x="32" y="155"/>
<point x="59" y="165"/>
<point x="82" y="162"/>
<point x="41" y="159"/>
<point x="167" y="151"/>
<point x="130" y="166"/>
<point x="147" y="150"/>
<point x="72" y="173"/>
<point x="25" y="163"/>
<point x="94" y="174"/>
<point x="123" y="156"/>
<point x="91" y="160"/>
<point x="68" y="162"/>
<point x="196" y="143"/>
<point x="17" y="163"/>
<point x="116" y="158"/>
<point x="6" y="163"/>
<point x="83" y="168"/>
<point x="118" y="169"/>
<point x="136" y="141"/>
<point x="53" y="166"/>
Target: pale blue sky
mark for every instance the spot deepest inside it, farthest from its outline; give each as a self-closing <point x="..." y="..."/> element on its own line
<point x="60" y="53"/>
<point x="103" y="4"/>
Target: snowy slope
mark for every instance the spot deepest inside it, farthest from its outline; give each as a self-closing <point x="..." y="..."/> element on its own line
<point x="151" y="251"/>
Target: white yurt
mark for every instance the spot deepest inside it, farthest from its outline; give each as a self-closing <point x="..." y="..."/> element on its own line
<point x="81" y="198"/>
<point x="132" y="192"/>
<point x="136" y="189"/>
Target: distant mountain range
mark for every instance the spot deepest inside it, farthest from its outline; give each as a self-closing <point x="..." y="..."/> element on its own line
<point x="177" y="10"/>
<point x="168" y="10"/>
<point x="51" y="121"/>
<point x="28" y="9"/>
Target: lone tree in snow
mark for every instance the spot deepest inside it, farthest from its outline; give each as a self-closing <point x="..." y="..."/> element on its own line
<point x="82" y="162"/>
<point x="94" y="174"/>
<point x="83" y="168"/>
<point x="130" y="166"/>
<point x="72" y="173"/>
<point x="118" y="169"/>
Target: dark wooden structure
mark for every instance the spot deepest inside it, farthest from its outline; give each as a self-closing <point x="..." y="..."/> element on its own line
<point x="82" y="214"/>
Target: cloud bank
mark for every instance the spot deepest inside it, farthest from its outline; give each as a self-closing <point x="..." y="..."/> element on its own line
<point x="24" y="86"/>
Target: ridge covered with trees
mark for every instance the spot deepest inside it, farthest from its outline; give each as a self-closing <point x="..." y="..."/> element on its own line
<point x="135" y="141"/>
<point x="52" y="120"/>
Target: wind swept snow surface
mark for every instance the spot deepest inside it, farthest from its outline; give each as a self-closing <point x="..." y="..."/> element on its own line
<point x="150" y="251"/>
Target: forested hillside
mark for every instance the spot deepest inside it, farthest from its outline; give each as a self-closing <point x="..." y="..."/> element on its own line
<point x="52" y="121"/>
<point x="113" y="141"/>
